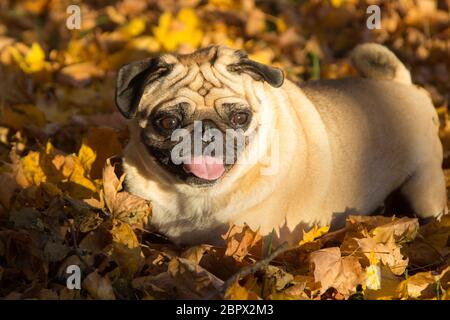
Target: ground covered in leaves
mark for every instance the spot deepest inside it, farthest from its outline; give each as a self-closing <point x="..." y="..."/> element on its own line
<point x="62" y="201"/>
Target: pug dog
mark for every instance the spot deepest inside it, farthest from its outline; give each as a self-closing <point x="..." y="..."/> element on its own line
<point x="336" y="147"/>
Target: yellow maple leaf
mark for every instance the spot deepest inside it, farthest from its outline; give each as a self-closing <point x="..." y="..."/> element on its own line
<point x="32" y="170"/>
<point x="134" y="27"/>
<point x="79" y="185"/>
<point x="37" y="167"/>
<point x="70" y="171"/>
<point x="87" y="156"/>
<point x="33" y="61"/>
<point x="184" y="28"/>
<point x="313" y="234"/>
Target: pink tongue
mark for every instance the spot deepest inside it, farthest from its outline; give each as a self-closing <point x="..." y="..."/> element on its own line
<point x="205" y="167"/>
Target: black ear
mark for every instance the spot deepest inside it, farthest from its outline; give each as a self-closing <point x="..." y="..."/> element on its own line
<point x="257" y="71"/>
<point x="132" y="79"/>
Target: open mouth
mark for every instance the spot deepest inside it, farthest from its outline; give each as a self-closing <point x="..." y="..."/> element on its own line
<point x="205" y="167"/>
<point x="201" y="171"/>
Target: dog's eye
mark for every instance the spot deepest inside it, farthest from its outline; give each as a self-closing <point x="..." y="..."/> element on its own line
<point x="168" y="123"/>
<point x="239" y="118"/>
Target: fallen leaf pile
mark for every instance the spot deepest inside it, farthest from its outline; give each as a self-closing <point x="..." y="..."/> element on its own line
<point x="62" y="198"/>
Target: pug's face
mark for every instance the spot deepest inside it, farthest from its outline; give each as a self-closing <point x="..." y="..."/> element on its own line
<point x="195" y="112"/>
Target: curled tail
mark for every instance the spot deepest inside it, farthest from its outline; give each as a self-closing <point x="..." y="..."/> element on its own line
<point x="378" y="62"/>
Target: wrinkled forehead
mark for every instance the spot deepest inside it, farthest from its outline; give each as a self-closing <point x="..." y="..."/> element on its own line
<point x="210" y="55"/>
<point x="201" y="75"/>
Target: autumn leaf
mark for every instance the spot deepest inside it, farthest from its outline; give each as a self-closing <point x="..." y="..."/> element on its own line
<point x="36" y="168"/>
<point x="313" y="234"/>
<point x="32" y="61"/>
<point x="403" y="229"/>
<point x="98" y="287"/>
<point x="123" y="205"/>
<point x="333" y="270"/>
<point x="195" y="254"/>
<point x="183" y="279"/>
<point x="423" y="285"/>
<point x="193" y="281"/>
<point x="126" y="249"/>
<point x="238" y="292"/>
<point x="389" y="254"/>
<point x="134" y="27"/>
<point x="86" y="157"/>
<point x="184" y="28"/>
<point x="240" y="240"/>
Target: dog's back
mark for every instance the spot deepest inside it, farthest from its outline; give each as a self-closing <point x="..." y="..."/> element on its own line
<point x="382" y="133"/>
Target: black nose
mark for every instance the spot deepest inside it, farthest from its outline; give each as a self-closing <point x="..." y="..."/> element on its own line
<point x="204" y="127"/>
<point x="208" y="124"/>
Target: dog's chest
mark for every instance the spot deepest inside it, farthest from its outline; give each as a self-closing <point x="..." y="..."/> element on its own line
<point x="184" y="216"/>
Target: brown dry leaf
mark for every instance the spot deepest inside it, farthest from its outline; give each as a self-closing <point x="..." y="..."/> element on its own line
<point x="382" y="237"/>
<point x="388" y="253"/>
<point x="192" y="281"/>
<point x="437" y="234"/>
<point x="123" y="205"/>
<point x="431" y="245"/>
<point x="276" y="278"/>
<point x="98" y="287"/>
<point x="333" y="270"/>
<point x="111" y="185"/>
<point x="423" y="285"/>
<point x="297" y="290"/>
<point x="126" y="250"/>
<point x="240" y="240"/>
<point x="132" y="209"/>
<point x="398" y="230"/>
<point x="80" y="74"/>
<point x="195" y="254"/>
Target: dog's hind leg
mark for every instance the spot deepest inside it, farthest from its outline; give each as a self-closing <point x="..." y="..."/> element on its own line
<point x="426" y="191"/>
